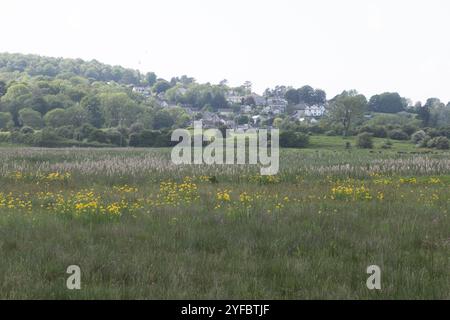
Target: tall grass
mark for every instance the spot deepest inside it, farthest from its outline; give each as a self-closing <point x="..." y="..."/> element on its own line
<point x="140" y="227"/>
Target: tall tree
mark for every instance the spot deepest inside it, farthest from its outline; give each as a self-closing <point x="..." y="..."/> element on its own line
<point x="150" y="77"/>
<point x="388" y="102"/>
<point x="57" y="118"/>
<point x="292" y="96"/>
<point x="306" y="95"/>
<point x="30" y="118"/>
<point x="347" y="108"/>
<point x="161" y="86"/>
<point x="319" y="97"/>
<point x="119" y="109"/>
<point x="92" y="105"/>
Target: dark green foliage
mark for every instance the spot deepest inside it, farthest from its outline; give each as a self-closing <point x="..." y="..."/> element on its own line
<point x="98" y="135"/>
<point x="151" y="138"/>
<point x="243" y="119"/>
<point x="290" y="139"/>
<point x="87" y="102"/>
<point x="27" y="130"/>
<point x="398" y="134"/>
<point x="67" y="132"/>
<point x="163" y="119"/>
<point x="418" y="136"/>
<point x="364" y="140"/>
<point x="306" y="95"/>
<point x="386" y="102"/>
<point x="135" y="140"/>
<point x="376" y="131"/>
<point x="36" y="65"/>
<point x="161" y="86"/>
<point x="441" y="143"/>
<point x="2" y="88"/>
<point x="84" y="132"/>
<point x="93" y="107"/>
<point x="116" y="138"/>
<point x="150" y="77"/>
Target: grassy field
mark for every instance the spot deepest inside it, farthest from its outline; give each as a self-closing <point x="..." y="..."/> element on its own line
<point x="141" y="227"/>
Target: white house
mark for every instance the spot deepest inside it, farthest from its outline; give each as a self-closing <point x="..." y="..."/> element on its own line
<point x="233" y="99"/>
<point x="314" y="111"/>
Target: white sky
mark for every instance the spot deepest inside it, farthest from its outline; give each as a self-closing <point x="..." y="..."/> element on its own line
<point x="369" y="45"/>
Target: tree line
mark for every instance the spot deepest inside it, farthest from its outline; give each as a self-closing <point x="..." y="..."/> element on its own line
<point x="86" y="102"/>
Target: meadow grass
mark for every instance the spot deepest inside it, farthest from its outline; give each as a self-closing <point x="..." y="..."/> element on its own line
<point x="141" y="228"/>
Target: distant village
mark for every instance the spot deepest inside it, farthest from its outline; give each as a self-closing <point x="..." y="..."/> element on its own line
<point x="245" y="111"/>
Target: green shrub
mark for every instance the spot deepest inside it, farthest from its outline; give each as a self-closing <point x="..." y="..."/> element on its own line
<point x="409" y="129"/>
<point x="27" y="130"/>
<point x="432" y="132"/>
<point x="290" y="139"/>
<point x="441" y="143"/>
<point x="375" y="130"/>
<point x="5" y="137"/>
<point x="67" y="132"/>
<point x="418" y="137"/>
<point x="398" y="134"/>
<point x="116" y="138"/>
<point x="151" y="138"/>
<point x="135" y="140"/>
<point x="364" y="140"/>
<point x="99" y="136"/>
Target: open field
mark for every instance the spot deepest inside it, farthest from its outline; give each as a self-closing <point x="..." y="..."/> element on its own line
<point x="140" y="227"/>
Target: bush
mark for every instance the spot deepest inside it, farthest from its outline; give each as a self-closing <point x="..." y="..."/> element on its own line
<point x="67" y="132"/>
<point x="151" y="138"/>
<point x="290" y="139"/>
<point x="398" y="134"/>
<point x="441" y="143"/>
<point x="424" y="143"/>
<point x="27" y="130"/>
<point x="135" y="140"/>
<point x="164" y="139"/>
<point x="418" y="137"/>
<point x="364" y="140"/>
<point x="115" y="137"/>
<point x="99" y="136"/>
<point x="21" y="138"/>
<point x="445" y="132"/>
<point x="409" y="129"/>
<point x="376" y="131"/>
<point x="316" y="129"/>
<point x="432" y="132"/>
<point x="46" y="138"/>
<point x="84" y="132"/>
<point x="5" y="137"/>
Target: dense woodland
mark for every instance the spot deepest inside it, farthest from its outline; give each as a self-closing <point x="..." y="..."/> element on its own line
<point x="70" y="102"/>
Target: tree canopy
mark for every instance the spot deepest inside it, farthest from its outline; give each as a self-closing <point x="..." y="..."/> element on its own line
<point x="387" y="103"/>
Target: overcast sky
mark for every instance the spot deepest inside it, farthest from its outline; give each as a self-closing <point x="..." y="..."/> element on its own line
<point x="369" y="45"/>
